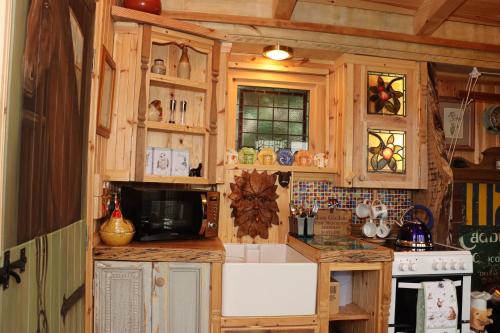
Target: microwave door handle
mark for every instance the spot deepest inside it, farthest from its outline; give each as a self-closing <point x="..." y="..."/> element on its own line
<point x="204" y="223"/>
<point x="408" y="285"/>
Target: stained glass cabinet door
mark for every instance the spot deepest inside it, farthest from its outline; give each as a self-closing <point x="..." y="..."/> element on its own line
<point x="383" y="119"/>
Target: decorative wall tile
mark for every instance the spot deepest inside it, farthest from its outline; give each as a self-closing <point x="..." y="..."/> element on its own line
<point x="306" y="193"/>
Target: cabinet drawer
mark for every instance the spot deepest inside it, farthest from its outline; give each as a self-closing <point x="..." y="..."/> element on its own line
<point x="271" y="330"/>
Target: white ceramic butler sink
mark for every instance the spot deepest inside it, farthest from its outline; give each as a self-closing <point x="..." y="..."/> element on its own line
<point x="267" y="280"/>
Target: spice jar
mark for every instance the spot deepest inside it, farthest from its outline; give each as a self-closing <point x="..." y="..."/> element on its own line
<point x="159" y="67"/>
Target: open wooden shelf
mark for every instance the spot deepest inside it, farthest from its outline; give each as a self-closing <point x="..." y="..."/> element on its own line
<point x="165" y="80"/>
<point x="176" y="180"/>
<point x="277" y="167"/>
<point x="350" y="312"/>
<point x="175" y="128"/>
<point x="121" y="14"/>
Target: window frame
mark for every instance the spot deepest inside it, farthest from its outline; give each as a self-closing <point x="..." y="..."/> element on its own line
<point x="316" y="81"/>
<point x="305" y="94"/>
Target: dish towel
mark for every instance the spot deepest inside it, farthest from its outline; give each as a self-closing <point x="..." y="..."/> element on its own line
<point x="437" y="307"/>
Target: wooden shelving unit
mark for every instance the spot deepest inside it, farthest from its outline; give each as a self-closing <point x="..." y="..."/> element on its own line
<point x="176" y="180"/>
<point x="284" y="168"/>
<point x="168" y="81"/>
<point x="350" y="312"/>
<point x="175" y="128"/>
<point x="198" y="92"/>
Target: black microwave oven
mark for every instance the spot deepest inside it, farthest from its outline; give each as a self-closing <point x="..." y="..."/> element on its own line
<point x="170" y="214"/>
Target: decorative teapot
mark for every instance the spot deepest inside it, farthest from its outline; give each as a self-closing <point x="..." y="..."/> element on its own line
<point x="117" y="231"/>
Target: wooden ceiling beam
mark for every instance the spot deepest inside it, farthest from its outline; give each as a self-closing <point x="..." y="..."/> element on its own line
<point x="432" y="13"/>
<point x="283" y="9"/>
<point x="333" y="29"/>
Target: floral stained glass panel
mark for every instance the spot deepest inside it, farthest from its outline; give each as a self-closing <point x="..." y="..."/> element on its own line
<point x="386" y="94"/>
<point x="386" y="151"/>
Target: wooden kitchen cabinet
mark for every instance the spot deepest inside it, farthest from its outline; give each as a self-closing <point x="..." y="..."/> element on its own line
<point x="363" y="134"/>
<point x="370" y="286"/>
<point x="147" y="297"/>
<point x="134" y="133"/>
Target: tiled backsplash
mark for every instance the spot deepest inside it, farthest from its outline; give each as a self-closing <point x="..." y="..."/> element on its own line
<point x="306" y="193"/>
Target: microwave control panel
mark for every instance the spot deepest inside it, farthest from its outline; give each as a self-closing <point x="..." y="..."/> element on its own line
<point x="212" y="214"/>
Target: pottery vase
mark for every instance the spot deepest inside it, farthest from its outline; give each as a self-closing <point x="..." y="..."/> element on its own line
<point x="148" y="6"/>
<point x="184" y="67"/>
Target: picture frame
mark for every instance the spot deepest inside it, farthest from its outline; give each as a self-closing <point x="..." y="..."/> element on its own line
<point x="107" y="74"/>
<point x="449" y="108"/>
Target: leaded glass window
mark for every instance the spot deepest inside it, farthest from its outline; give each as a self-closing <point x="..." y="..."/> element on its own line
<point x="386" y="151"/>
<point x="272" y="117"/>
<point x="386" y="94"/>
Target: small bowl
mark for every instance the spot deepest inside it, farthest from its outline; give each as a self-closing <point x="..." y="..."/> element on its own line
<point x="116" y="239"/>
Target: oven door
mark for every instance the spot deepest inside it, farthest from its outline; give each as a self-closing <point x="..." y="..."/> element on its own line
<point x="403" y="311"/>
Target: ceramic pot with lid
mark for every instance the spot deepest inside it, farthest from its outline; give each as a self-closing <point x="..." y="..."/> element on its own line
<point x="117" y="231"/>
<point x="148" y="6"/>
<point x="413" y="232"/>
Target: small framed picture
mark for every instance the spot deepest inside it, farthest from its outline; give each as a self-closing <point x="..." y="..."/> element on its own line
<point x="449" y="109"/>
<point x="106" y="93"/>
<point x="162" y="161"/>
<point x="180" y="162"/>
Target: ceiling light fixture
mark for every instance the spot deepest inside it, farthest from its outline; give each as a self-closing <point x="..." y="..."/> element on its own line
<point x="278" y="52"/>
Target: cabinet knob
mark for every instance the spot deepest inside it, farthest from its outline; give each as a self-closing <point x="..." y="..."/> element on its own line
<point x="362" y="177"/>
<point x="159" y="282"/>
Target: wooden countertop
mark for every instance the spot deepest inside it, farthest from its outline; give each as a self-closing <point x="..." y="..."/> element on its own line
<point x="205" y="250"/>
<point x="375" y="254"/>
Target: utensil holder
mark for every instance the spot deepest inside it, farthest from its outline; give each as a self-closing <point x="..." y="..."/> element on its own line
<point x="309" y="227"/>
<point x="292" y="226"/>
<point x="301" y="223"/>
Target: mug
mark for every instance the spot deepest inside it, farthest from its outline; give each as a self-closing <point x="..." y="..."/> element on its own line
<point x="320" y="160"/>
<point x="378" y="210"/>
<point x="369" y="229"/>
<point x="231" y="157"/>
<point x="364" y="209"/>
<point x="383" y="229"/>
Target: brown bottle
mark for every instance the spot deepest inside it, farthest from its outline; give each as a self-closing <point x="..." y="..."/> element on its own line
<point x="184" y="68"/>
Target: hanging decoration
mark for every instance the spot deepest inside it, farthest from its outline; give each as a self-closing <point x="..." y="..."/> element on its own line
<point x="253" y="205"/>
<point x="386" y="94"/>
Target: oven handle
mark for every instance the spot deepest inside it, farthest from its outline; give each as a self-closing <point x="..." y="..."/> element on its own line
<point x="409" y="285"/>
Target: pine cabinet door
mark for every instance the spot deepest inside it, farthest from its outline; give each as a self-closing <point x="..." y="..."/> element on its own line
<point x="122" y="297"/>
<point x="384" y="133"/>
<point x="180" y="300"/>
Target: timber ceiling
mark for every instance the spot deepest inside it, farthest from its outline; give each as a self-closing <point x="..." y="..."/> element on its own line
<point x="485" y="12"/>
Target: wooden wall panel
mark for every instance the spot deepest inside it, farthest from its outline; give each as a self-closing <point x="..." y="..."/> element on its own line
<point x="64" y="254"/>
<point x="450" y="87"/>
<point x="120" y="150"/>
<point x="227" y="230"/>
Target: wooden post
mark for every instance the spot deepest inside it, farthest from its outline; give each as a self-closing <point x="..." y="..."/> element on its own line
<point x="143" y="105"/>
<point x="212" y="140"/>
<point x="215" y="297"/>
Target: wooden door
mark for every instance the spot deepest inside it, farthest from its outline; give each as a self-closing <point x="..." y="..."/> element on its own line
<point x="181" y="297"/>
<point x="48" y="105"/>
<point x="122" y="300"/>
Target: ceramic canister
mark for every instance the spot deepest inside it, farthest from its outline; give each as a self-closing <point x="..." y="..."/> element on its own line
<point x="148" y="6"/>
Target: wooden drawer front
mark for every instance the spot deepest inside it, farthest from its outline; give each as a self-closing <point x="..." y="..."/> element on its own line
<point x="270" y="330"/>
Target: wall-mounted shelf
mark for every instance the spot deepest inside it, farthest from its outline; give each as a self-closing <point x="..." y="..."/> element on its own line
<point x="175" y="128"/>
<point x="176" y="180"/>
<point x="129" y="15"/>
<point x="283" y="168"/>
<point x="165" y="80"/>
<point x="350" y="312"/>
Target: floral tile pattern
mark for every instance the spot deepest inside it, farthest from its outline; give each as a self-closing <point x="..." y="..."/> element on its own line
<point x="306" y="193"/>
